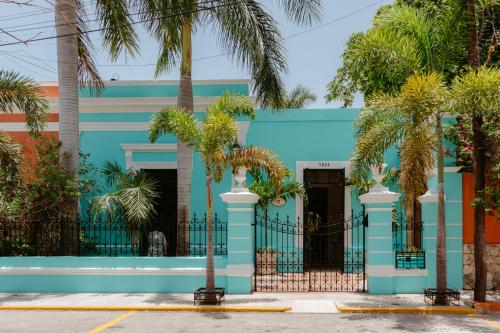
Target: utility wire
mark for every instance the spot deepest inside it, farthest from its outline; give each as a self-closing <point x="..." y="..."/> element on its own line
<point x="123" y="25"/>
<point x="4" y="18"/>
<point x="223" y="54"/>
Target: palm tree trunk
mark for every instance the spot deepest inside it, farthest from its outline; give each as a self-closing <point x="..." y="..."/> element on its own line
<point x="441" y="265"/>
<point x="478" y="168"/>
<point x="184" y="153"/>
<point x="69" y="135"/>
<point x="479" y="217"/>
<point x="210" y="275"/>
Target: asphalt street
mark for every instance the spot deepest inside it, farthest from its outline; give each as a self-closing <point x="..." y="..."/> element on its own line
<point x="95" y="322"/>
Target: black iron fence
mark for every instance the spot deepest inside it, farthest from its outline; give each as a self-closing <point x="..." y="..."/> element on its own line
<point x="102" y="238"/>
<point x="407" y="243"/>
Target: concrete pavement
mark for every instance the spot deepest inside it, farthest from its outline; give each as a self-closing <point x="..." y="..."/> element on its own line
<point x="173" y="322"/>
<point x="296" y="302"/>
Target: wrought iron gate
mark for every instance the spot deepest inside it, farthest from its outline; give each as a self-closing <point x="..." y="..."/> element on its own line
<point x="310" y="254"/>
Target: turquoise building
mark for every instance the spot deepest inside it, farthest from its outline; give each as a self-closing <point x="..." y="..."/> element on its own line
<point x="351" y="247"/>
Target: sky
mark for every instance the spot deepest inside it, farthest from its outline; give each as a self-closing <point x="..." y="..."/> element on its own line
<point x="313" y="53"/>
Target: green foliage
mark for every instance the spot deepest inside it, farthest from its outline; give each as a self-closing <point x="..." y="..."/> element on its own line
<point x="41" y="192"/>
<point x="403" y="40"/>
<point x="267" y="191"/>
<point x="245" y="31"/>
<point x="131" y="198"/>
<point x="20" y="92"/>
<point x="408" y="119"/>
<point x="299" y="98"/>
<point x="477" y="93"/>
<point x="215" y="134"/>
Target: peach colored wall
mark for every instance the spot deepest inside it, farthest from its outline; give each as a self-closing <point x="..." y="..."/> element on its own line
<point x="492" y="225"/>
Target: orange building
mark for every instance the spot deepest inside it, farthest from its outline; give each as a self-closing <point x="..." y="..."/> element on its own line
<point x="492" y="239"/>
<point x="13" y="124"/>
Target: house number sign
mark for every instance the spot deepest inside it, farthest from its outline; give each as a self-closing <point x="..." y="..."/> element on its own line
<point x="324" y="164"/>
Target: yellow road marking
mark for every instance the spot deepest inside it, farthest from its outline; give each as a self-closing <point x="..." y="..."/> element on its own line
<point x="176" y="308"/>
<point x="113" y="322"/>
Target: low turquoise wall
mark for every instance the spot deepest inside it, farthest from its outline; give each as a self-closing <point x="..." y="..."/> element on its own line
<point x="116" y="274"/>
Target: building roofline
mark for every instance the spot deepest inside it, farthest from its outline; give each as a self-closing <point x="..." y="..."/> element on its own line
<point x="157" y="82"/>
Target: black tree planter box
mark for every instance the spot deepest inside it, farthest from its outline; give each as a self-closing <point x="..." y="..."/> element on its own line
<point x="202" y="297"/>
<point x="448" y="297"/>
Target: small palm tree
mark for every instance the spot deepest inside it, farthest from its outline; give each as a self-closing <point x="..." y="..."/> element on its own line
<point x="299" y="98"/>
<point x="131" y="200"/>
<point x="213" y="138"/>
<point x="132" y="197"/>
<point x="268" y="195"/>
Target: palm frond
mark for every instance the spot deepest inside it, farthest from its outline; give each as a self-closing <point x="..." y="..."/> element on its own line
<point x="477" y="93"/>
<point x="10" y="160"/>
<point x="251" y="37"/>
<point x="299" y="98"/>
<point x="116" y="21"/>
<point x="172" y="120"/>
<point x="20" y="92"/>
<point x="304" y="12"/>
<point x="138" y="198"/>
<point x="233" y="106"/>
<point x="259" y="158"/>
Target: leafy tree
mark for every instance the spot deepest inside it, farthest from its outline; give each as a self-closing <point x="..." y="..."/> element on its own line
<point x="299" y="98"/>
<point x="213" y="138"/>
<point x="476" y="98"/>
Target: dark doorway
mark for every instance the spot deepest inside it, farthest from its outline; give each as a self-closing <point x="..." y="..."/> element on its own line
<point x="165" y="219"/>
<point x="325" y="211"/>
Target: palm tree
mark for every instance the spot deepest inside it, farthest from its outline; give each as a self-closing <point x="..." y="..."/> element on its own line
<point x="420" y="43"/>
<point x="299" y="98"/>
<point x="76" y="65"/>
<point x="246" y="32"/>
<point x="408" y="118"/>
<point x="131" y="200"/>
<point x="18" y="92"/>
<point x="213" y="138"/>
<point x="476" y="98"/>
<point x="268" y="195"/>
<point x="21" y="93"/>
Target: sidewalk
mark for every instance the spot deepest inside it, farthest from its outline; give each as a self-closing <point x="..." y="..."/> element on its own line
<point x="294" y="302"/>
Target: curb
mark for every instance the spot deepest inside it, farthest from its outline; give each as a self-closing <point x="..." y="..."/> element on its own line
<point x="410" y="310"/>
<point x="203" y="308"/>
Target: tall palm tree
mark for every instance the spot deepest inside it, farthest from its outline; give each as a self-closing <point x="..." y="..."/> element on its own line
<point x="424" y="44"/>
<point x="246" y="32"/>
<point x="407" y="118"/>
<point x="213" y="138"/>
<point x="299" y="98"/>
<point x="76" y="65"/>
<point x="476" y="97"/>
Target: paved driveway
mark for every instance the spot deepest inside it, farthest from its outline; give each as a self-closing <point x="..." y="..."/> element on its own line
<point x="73" y="321"/>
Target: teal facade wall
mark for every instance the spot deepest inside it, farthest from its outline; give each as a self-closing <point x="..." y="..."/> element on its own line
<point x="294" y="135"/>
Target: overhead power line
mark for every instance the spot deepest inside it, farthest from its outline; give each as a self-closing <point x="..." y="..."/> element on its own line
<point x="123" y="25"/>
<point x="224" y="54"/>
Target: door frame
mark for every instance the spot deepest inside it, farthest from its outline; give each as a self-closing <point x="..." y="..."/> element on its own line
<point x="299" y="202"/>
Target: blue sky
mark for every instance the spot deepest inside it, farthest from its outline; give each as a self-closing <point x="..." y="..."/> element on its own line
<point x="313" y="55"/>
